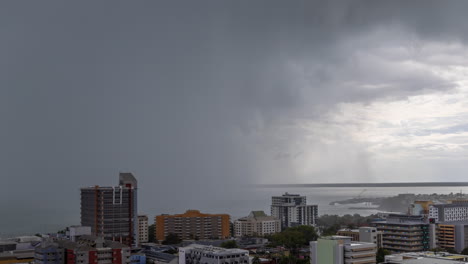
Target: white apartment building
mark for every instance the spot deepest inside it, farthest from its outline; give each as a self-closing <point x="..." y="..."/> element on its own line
<point x="292" y="210"/>
<point x="256" y="224"/>
<point x="143" y="228"/>
<point x="448" y="212"/>
<point x="200" y="254"/>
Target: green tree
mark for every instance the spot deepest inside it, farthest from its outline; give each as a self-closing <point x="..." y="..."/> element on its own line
<point x="231" y="229"/>
<point x="381" y="253"/>
<point x="172" y="239"/>
<point x="437" y="249"/>
<point x="465" y="251"/>
<point x="256" y="260"/>
<point x="450" y="250"/>
<point x="229" y="244"/>
<point x="308" y="232"/>
<point x="151" y="231"/>
<point x="332" y="230"/>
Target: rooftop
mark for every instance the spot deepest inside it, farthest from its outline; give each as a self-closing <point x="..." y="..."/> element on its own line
<point x="427" y="257"/>
<point x="217" y="250"/>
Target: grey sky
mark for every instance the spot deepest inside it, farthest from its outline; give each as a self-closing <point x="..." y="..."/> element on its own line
<point x="198" y="97"/>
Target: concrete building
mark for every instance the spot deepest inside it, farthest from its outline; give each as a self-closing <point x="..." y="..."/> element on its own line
<point x="341" y="250"/>
<point x="138" y="258"/>
<point x="143" y="228"/>
<point x="371" y="235"/>
<point x="161" y="258"/>
<point x="111" y="212"/>
<point x="49" y="253"/>
<point x="193" y="225"/>
<point x="352" y="233"/>
<point x="75" y="232"/>
<point x="426" y="257"/>
<point x="7" y="246"/>
<point x="17" y="256"/>
<point x="448" y="212"/>
<point x="451" y="235"/>
<point x="404" y="233"/>
<point x="199" y="254"/>
<point x="257" y="223"/>
<point x="88" y="249"/>
<point x="420" y="208"/>
<point x="292" y="210"/>
<point x="363" y="234"/>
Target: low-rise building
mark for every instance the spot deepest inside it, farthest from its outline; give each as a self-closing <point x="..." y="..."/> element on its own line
<point x="7" y="245"/>
<point x="257" y="223"/>
<point x="75" y="232"/>
<point x="199" y="254"/>
<point x="49" y="252"/>
<point x="371" y="235"/>
<point x="341" y="250"/>
<point x="352" y="233"/>
<point x="138" y="258"/>
<point x="17" y="256"/>
<point x="88" y="249"/>
<point x="363" y="234"/>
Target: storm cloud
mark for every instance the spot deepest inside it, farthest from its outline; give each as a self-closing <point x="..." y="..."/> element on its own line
<point x="199" y="98"/>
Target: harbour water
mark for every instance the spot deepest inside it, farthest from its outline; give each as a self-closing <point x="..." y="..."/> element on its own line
<point x="244" y="200"/>
<point x="323" y="196"/>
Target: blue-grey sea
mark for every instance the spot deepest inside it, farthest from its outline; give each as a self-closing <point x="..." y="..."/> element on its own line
<point x="324" y="195"/>
<point x="245" y="200"/>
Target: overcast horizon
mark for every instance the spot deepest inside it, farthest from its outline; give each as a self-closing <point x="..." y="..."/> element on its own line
<point x="201" y="98"/>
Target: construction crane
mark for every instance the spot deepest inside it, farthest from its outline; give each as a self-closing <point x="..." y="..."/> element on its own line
<point x="360" y="194"/>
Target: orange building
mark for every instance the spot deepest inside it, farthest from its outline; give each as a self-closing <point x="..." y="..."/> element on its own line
<point x="192" y="225"/>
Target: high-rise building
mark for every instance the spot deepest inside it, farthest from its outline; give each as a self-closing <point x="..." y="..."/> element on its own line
<point x="200" y="254"/>
<point x="143" y="228"/>
<point x="341" y="250"/>
<point x="111" y="212"/>
<point x="292" y="210"/>
<point x="404" y="233"/>
<point x="256" y="224"/>
<point x="192" y="225"/>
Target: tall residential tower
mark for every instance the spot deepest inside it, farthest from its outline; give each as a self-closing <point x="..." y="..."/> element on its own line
<point x="111" y="212"/>
<point x="292" y="210"/>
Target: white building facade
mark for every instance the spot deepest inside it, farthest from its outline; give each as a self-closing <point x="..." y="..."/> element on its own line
<point x="200" y="254"/>
<point x="341" y="250"/>
<point x="143" y="228"/>
<point x="448" y="213"/>
<point x="292" y="210"/>
<point x="256" y="224"/>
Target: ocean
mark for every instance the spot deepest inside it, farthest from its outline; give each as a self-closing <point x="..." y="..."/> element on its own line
<point x="323" y="196"/>
<point x="45" y="220"/>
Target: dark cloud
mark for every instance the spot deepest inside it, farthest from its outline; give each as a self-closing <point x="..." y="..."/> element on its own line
<point x="180" y="93"/>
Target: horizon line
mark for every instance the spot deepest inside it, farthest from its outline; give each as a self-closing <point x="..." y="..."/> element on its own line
<point x="364" y="184"/>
